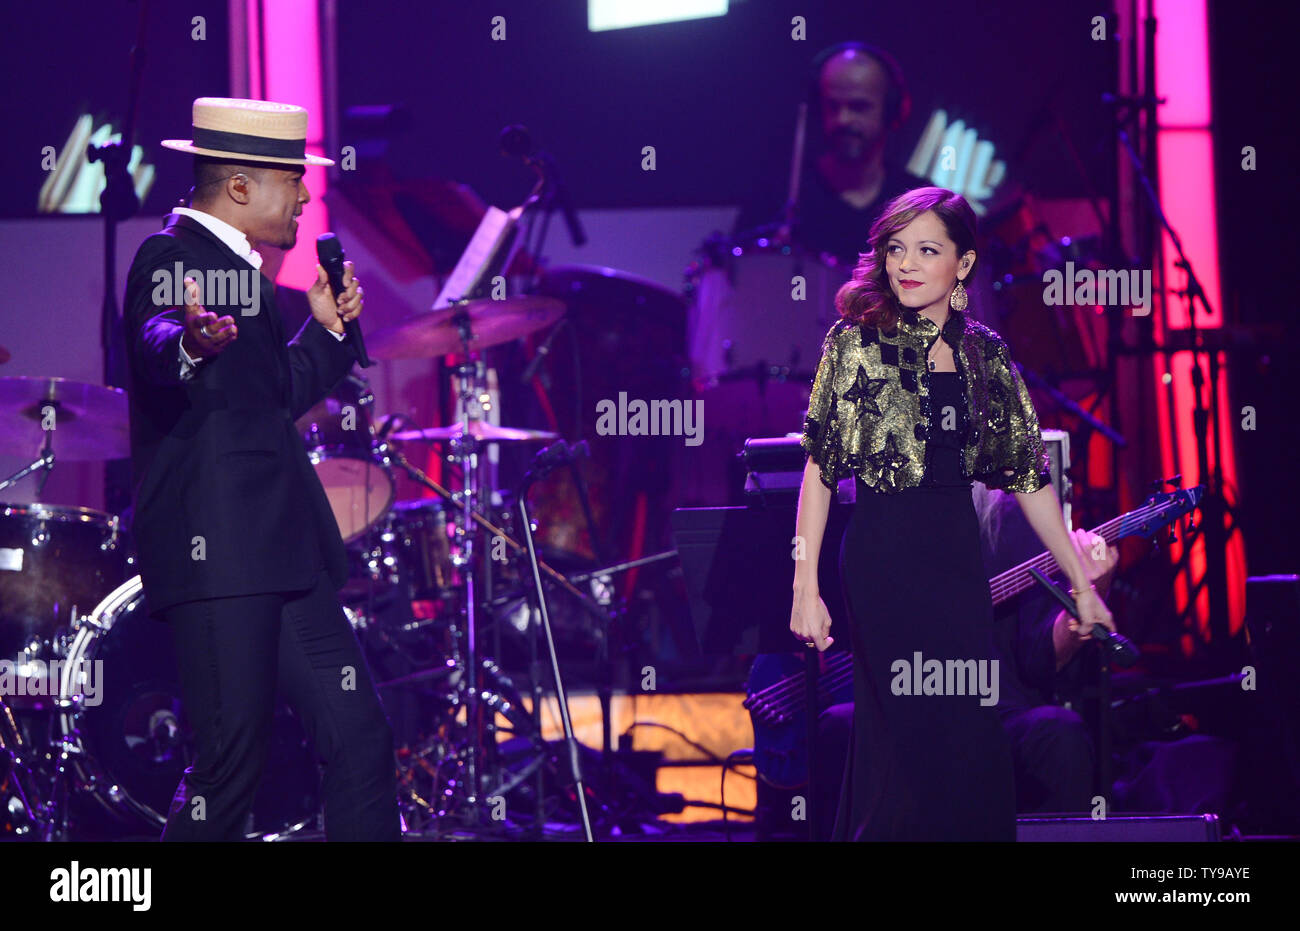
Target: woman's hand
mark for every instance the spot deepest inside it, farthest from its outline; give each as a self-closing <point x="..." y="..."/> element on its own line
<point x="1092" y="612"/>
<point x="809" y="619"/>
<point x="1043" y="511"/>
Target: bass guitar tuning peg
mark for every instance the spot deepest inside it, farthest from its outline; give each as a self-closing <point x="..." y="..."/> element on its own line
<point x="1174" y="481"/>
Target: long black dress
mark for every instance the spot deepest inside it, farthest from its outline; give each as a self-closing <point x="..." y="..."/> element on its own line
<point x="928" y="766"/>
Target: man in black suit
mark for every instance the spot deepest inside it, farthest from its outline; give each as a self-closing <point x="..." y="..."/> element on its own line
<point x="238" y="548"/>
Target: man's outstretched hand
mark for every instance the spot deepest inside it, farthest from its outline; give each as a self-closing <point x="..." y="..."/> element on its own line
<point x="206" y="335"/>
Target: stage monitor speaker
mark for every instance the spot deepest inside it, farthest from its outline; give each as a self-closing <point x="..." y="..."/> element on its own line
<point x="1128" y="828"/>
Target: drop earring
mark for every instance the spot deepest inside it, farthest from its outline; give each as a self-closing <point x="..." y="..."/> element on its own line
<point x="958" y="299"/>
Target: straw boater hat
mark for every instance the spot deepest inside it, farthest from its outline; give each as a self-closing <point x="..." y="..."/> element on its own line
<point x="249" y="130"/>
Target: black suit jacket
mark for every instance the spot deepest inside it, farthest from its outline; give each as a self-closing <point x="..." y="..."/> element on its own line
<point x="217" y="456"/>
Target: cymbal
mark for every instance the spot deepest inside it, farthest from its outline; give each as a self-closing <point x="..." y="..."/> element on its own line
<point x="91" y="422"/>
<point x="491" y="322"/>
<point x="482" y="431"/>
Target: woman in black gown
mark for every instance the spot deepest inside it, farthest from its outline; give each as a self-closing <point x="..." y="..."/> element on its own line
<point x="916" y="400"/>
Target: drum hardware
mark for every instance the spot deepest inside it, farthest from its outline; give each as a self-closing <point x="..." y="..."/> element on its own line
<point x="493" y="531"/>
<point x="432" y="770"/>
<point x="464" y="450"/>
<point x="462" y="771"/>
<point x="24" y="812"/>
<point x="605" y="572"/>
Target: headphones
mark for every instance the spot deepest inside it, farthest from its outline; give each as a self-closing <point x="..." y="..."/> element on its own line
<point x="898" y="102"/>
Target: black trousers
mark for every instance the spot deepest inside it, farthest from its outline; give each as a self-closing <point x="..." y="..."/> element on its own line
<point x="232" y="655"/>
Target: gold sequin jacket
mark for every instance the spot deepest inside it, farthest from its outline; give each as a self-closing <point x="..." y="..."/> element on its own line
<point x="870" y="413"/>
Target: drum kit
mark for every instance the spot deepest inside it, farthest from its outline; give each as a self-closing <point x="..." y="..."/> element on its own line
<point x="94" y="734"/>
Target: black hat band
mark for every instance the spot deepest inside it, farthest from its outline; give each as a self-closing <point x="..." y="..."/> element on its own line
<point x="249" y="145"/>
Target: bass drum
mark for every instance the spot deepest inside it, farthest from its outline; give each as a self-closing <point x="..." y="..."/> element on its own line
<point x="129" y="737"/>
<point x="759" y="310"/>
<point x="758" y="315"/>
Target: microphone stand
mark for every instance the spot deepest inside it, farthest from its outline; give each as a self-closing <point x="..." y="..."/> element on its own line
<point x="543" y="463"/>
<point x="1213" y="506"/>
<point x="1067" y="404"/>
<point x="548" y="195"/>
<point x="1117" y="649"/>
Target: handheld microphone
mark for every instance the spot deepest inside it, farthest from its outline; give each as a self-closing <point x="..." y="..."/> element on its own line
<point x="1123" y="652"/>
<point x="330" y="254"/>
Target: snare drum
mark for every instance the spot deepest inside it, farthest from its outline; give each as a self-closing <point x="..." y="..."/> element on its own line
<point x="343" y="450"/>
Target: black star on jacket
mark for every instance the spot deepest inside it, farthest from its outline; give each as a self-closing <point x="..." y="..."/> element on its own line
<point x="865" y="393"/>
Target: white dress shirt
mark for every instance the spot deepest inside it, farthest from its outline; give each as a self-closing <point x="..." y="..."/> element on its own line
<point x="239" y="245"/>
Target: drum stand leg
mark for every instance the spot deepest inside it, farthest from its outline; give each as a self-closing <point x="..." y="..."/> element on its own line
<point x="473" y="710"/>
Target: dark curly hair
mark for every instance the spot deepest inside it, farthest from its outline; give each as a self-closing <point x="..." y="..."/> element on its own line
<point x="867" y="298"/>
